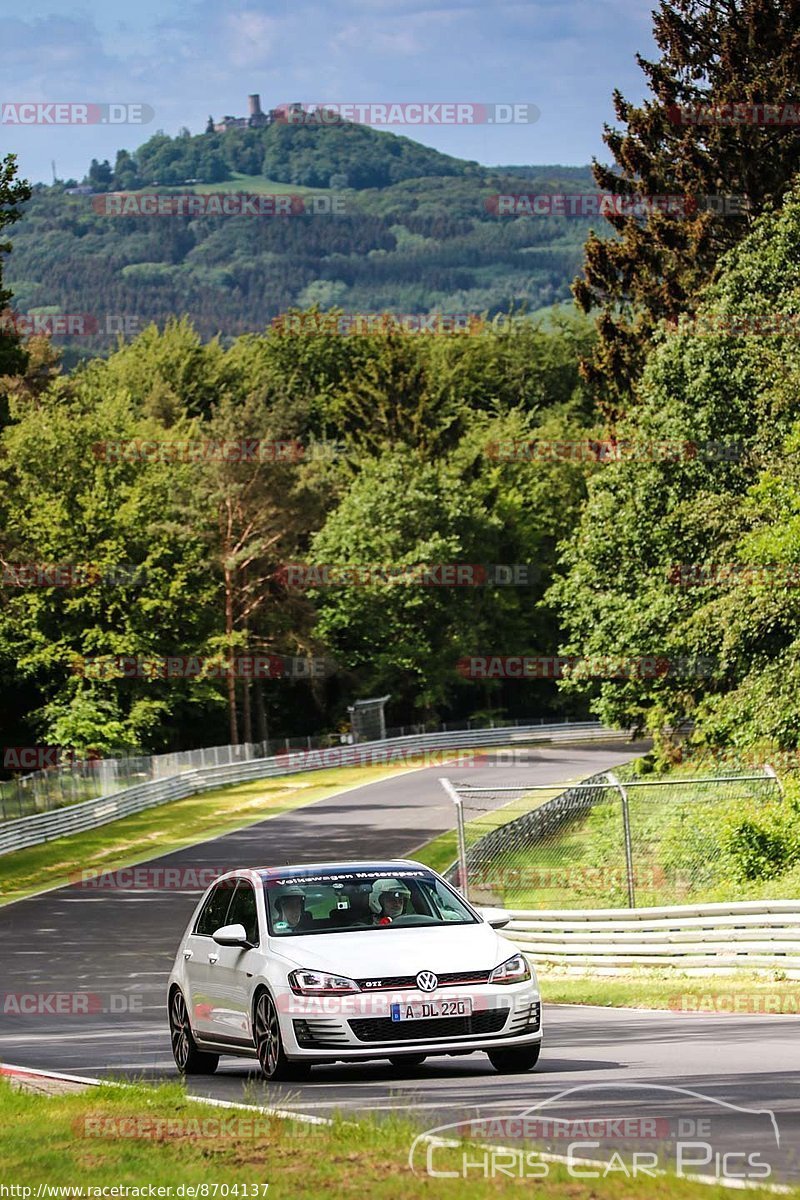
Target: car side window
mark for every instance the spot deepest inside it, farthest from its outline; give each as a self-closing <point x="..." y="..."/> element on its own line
<point x="243" y="911"/>
<point x="214" y="911"/>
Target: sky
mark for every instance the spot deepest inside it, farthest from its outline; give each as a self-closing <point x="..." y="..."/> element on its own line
<point x="189" y="60"/>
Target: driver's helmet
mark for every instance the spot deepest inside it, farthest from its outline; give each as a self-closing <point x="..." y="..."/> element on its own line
<point x="292" y="890"/>
<point x="387" y="887"/>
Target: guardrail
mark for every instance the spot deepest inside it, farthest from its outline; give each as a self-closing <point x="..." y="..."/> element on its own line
<point x="701" y="938"/>
<point x="77" y="818"/>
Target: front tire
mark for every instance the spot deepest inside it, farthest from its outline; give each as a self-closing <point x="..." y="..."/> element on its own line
<point x="274" y="1064"/>
<point x="514" y="1062"/>
<point x="188" y="1059"/>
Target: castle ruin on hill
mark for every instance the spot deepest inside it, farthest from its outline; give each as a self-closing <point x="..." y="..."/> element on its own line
<point x="256" y="118"/>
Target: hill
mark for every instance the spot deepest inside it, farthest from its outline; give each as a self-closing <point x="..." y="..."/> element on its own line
<point x="389" y="225"/>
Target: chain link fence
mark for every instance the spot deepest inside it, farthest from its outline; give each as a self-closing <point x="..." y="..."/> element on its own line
<point x="611" y="840"/>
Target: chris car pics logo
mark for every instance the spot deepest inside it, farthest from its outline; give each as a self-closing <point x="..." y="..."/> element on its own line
<point x="597" y="1134"/>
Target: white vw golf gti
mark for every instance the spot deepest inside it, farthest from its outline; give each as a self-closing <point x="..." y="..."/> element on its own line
<point x="343" y="962"/>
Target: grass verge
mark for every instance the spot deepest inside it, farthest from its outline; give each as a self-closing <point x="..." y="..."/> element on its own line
<point x="652" y="988"/>
<point x="140" y="1136"/>
<point x="173" y="826"/>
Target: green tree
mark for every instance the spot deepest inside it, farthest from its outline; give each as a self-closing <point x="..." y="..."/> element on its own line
<point x="68" y="498"/>
<point x="406" y="513"/>
<point x="716" y="55"/>
<point x="255" y="509"/>
<point x="709" y="479"/>
<point x="13" y="193"/>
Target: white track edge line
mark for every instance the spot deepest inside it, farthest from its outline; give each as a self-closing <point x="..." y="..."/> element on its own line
<point x="11" y="1069"/>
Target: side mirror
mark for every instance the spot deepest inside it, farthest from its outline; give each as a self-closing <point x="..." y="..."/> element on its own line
<point x="232" y="935"/>
<point x="498" y="918"/>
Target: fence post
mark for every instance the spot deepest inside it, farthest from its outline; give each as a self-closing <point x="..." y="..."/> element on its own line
<point x="626" y="825"/>
<point x="462" y="842"/>
<point x="773" y="774"/>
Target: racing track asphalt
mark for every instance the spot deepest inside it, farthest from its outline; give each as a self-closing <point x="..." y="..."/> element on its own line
<point x="121" y="943"/>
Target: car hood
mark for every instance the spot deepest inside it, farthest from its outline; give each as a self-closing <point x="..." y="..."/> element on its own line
<point x="372" y="953"/>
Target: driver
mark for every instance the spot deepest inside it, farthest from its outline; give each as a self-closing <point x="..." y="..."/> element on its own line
<point x="387" y="900"/>
<point x="291" y="907"/>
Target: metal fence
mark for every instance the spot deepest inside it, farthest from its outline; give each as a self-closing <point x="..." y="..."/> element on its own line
<point x="606" y="841"/>
<point x="420" y="750"/>
<point x="73" y="782"/>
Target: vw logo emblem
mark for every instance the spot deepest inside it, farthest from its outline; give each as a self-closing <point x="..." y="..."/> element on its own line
<point x="427" y="981"/>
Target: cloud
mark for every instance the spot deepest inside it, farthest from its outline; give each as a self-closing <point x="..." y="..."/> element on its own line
<point x="251" y="37"/>
<point x="50" y="57"/>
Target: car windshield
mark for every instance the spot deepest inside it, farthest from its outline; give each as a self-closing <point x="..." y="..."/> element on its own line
<point x="339" y="901"/>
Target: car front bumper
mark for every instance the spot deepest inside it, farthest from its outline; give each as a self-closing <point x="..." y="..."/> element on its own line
<point x="360" y="1026"/>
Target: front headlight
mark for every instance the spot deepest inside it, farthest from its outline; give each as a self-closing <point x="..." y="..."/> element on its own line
<point x="513" y="970"/>
<point x="320" y="983"/>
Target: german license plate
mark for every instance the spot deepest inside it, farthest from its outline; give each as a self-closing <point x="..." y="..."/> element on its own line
<point x="424" y="1010"/>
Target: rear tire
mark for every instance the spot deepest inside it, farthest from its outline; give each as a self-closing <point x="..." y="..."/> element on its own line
<point x="275" y="1066"/>
<point x="515" y="1062"/>
<point x="188" y="1059"/>
<point x="408" y="1060"/>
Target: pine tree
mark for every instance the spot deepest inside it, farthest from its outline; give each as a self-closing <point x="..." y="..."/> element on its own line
<point x="686" y="143"/>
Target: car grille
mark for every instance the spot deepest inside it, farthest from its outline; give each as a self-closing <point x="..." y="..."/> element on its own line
<point x="381" y="1029"/>
<point x="448" y="979"/>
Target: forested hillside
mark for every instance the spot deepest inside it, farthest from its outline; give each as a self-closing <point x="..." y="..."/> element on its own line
<point x="411" y="231"/>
